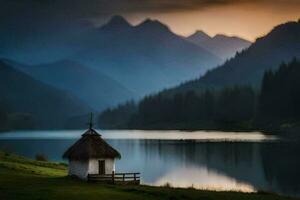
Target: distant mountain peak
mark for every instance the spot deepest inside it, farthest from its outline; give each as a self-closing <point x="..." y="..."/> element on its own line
<point x="153" y="25"/>
<point x="118" y="19"/>
<point x="223" y="36"/>
<point x="117" y="22"/>
<point x="282" y="44"/>
<point x="200" y="36"/>
<point x="221" y="45"/>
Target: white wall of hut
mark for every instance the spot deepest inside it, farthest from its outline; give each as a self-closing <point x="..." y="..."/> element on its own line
<point x="81" y="169"/>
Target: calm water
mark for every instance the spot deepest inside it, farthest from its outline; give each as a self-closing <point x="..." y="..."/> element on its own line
<point x="207" y="160"/>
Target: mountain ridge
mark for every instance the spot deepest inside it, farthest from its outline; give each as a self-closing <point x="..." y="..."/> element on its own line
<point x="221" y="45"/>
<point x="47" y="106"/>
<point x="96" y="89"/>
<point x="199" y="37"/>
<point x="145" y="58"/>
<point x="281" y="44"/>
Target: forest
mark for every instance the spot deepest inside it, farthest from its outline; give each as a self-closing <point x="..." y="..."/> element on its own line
<point x="272" y="107"/>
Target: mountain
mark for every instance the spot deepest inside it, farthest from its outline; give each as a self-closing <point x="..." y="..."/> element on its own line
<point x="282" y="44"/>
<point x="94" y="88"/>
<point x="43" y="105"/>
<point x="221" y="45"/>
<point x="199" y="37"/>
<point x="144" y="58"/>
<point x="117" y="23"/>
<point x="131" y="61"/>
<point x="238" y="108"/>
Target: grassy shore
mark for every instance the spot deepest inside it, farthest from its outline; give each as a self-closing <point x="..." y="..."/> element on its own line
<point x="23" y="178"/>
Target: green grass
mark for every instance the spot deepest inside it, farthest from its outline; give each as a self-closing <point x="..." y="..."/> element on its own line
<point x="23" y="178"/>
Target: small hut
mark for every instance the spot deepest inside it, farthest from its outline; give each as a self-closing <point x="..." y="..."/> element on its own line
<point x="91" y="155"/>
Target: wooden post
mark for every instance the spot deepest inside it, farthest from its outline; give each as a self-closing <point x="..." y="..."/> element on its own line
<point x="123" y="177"/>
<point x="134" y="177"/>
<point x="113" y="177"/>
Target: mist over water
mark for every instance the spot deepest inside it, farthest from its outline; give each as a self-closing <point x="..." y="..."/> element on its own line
<point x="144" y="135"/>
<point x="205" y="160"/>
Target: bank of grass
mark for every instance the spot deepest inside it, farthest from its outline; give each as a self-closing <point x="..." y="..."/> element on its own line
<point x="23" y="178"/>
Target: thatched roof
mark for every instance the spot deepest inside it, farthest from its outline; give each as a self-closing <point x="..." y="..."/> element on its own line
<point x="91" y="145"/>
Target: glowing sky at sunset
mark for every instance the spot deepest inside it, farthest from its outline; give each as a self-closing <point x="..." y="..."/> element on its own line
<point x="245" y="18"/>
<point x="245" y="22"/>
<point x="248" y="20"/>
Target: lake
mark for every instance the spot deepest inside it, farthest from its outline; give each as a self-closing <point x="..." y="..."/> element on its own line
<point x="205" y="160"/>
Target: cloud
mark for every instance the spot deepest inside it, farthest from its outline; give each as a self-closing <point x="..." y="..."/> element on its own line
<point x="96" y="8"/>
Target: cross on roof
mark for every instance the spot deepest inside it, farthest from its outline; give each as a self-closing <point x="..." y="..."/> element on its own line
<point x="91" y="121"/>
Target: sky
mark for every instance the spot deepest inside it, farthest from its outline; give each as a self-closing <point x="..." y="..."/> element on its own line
<point x="245" y="18"/>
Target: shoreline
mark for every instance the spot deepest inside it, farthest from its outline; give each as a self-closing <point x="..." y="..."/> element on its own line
<point x="49" y="180"/>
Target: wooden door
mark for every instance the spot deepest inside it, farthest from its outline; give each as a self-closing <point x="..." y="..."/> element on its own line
<point x="101" y="164"/>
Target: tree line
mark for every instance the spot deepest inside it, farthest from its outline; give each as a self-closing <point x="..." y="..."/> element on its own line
<point x="276" y="104"/>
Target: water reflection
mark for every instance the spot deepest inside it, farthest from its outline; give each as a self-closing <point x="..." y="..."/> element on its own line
<point x="202" y="178"/>
<point x="157" y="159"/>
<point x="243" y="166"/>
<point x="217" y="165"/>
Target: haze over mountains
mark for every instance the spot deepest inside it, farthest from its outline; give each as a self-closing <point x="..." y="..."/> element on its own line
<point x="225" y="97"/>
<point x="144" y="58"/>
<point x="95" y="89"/>
<point x="113" y="63"/>
<point x="282" y="44"/>
<point x="223" y="46"/>
<point x="118" y="62"/>
<point x="29" y="103"/>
